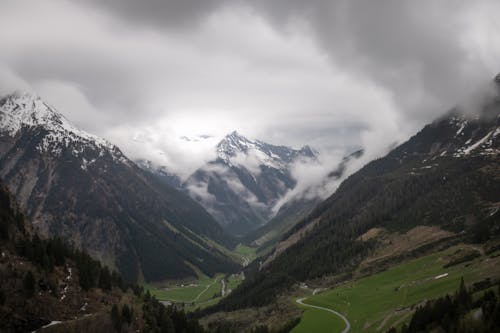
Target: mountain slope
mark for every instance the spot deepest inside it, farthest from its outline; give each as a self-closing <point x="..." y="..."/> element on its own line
<point x="243" y="183"/>
<point x="42" y="280"/>
<point x="285" y="219"/>
<point x="293" y="211"/>
<point x="447" y="175"/>
<point x="47" y="286"/>
<point x="79" y="187"/>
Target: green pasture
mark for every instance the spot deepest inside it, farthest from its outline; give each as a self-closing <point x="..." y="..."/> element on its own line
<point x="377" y="302"/>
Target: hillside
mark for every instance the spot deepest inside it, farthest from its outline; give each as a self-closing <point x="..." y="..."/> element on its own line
<point x="446" y="176"/>
<point x="81" y="188"/>
<point x="44" y="280"/>
<point x="48" y="286"/>
<point x="293" y="211"/>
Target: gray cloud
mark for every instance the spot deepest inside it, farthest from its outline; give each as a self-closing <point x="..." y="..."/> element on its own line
<point x="424" y="52"/>
<point x="185" y="14"/>
<point x="335" y="74"/>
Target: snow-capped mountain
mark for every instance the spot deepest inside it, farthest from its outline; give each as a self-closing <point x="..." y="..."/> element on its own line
<point x="23" y="110"/>
<point x="243" y="183"/>
<point x="241" y="187"/>
<point x="278" y="157"/>
<point x="80" y="187"/>
<point x="461" y="133"/>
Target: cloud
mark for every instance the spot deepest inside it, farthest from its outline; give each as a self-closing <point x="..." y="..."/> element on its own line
<point x="335" y="74"/>
<point x="70" y="98"/>
<point x="424" y="52"/>
<point x="10" y="81"/>
<point x="200" y="191"/>
<point x="250" y="160"/>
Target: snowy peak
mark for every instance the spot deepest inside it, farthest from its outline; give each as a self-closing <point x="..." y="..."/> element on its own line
<point x="22" y="110"/>
<point x="25" y="109"/>
<point x="234" y="144"/>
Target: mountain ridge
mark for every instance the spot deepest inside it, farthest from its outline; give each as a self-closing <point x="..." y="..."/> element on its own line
<point x="79" y="187"/>
<point x="244" y="181"/>
<point x="445" y="176"/>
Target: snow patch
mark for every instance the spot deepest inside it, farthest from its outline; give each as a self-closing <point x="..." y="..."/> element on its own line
<point x="440" y="276"/>
<point x="469" y="149"/>
<point x="24" y="110"/>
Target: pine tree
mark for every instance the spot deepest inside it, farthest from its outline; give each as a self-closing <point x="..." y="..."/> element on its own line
<point x="105" y="279"/>
<point x="126" y="314"/>
<point x="116" y="318"/>
<point x="29" y="284"/>
<point x="463" y="297"/>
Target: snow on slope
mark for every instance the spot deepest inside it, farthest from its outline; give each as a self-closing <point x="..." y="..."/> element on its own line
<point x="24" y="110"/>
<point x="234" y="145"/>
<point x="482" y="145"/>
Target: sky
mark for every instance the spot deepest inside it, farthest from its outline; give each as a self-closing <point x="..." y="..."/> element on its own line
<point x="336" y="74"/>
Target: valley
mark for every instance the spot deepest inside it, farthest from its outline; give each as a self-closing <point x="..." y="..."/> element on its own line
<point x="197" y="294"/>
<point x="215" y="166"/>
<point x="399" y="233"/>
<point x="204" y="291"/>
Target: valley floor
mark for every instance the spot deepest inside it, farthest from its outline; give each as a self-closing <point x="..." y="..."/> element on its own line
<point x="197" y="294"/>
<point x="204" y="291"/>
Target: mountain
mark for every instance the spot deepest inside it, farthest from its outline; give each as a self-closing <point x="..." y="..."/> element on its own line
<point x="44" y="280"/>
<point x="246" y="180"/>
<point x="48" y="286"/>
<point x="243" y="183"/>
<point x="294" y="210"/>
<point x="83" y="189"/>
<point x="442" y="186"/>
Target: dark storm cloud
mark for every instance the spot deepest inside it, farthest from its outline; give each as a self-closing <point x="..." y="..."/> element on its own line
<point x="335" y="74"/>
<point x="183" y="14"/>
<point x="414" y="48"/>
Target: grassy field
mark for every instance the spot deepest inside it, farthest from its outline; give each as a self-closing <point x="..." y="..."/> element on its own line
<point x="318" y="321"/>
<point x="246" y="251"/>
<point x="201" y="293"/>
<point x="202" y="290"/>
<point x="205" y="291"/>
<point x="233" y="281"/>
<point x="377" y="302"/>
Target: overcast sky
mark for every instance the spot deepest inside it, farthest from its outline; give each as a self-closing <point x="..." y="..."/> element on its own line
<point x="332" y="74"/>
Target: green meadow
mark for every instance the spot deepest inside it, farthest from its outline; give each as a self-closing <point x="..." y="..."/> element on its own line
<point x="246" y="251"/>
<point x="198" y="294"/>
<point x="201" y="290"/>
<point x="377" y="302"/>
<point x="317" y="321"/>
<point x="205" y="290"/>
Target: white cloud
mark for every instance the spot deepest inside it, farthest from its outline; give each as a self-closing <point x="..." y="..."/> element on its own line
<point x="334" y="74"/>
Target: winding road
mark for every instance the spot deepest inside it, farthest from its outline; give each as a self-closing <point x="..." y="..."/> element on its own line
<point x="347" y="324"/>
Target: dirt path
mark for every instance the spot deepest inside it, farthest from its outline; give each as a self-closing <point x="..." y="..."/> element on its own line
<point x="204" y="290"/>
<point x="223" y="287"/>
<point x="347" y="324"/>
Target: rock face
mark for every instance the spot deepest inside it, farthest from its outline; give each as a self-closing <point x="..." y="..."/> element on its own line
<point x="82" y="188"/>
